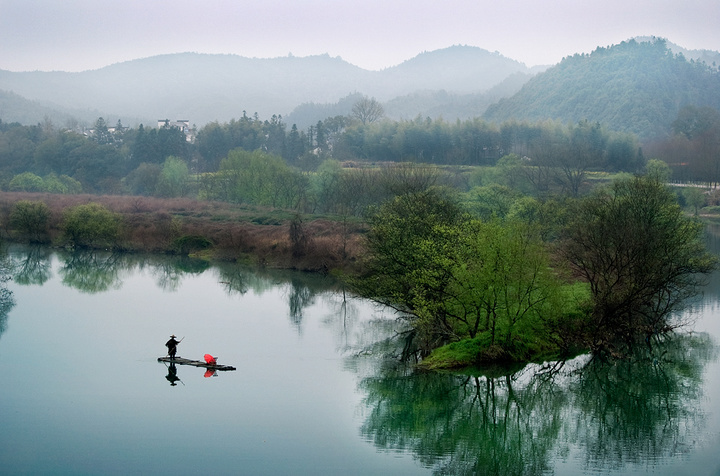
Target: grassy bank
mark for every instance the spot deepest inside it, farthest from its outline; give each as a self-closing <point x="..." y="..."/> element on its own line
<point x="240" y="233"/>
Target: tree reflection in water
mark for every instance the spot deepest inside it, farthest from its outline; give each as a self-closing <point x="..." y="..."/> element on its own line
<point x="7" y="300"/>
<point x="92" y="271"/>
<point x="643" y="409"/>
<point x="633" y="411"/>
<point x="33" y="267"/>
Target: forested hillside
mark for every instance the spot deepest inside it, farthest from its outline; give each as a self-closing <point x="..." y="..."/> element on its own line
<point x="636" y="87"/>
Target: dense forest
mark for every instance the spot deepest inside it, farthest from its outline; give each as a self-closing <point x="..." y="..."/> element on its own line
<point x="144" y="161"/>
<point x="113" y="159"/>
<point x="635" y="87"/>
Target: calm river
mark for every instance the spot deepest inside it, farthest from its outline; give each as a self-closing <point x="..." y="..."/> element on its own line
<point x="82" y="391"/>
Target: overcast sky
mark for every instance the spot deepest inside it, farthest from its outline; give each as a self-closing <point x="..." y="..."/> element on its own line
<point x="76" y="35"/>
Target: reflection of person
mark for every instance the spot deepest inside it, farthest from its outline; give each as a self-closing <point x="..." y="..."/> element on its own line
<point x="172" y="346"/>
<point x="172" y="374"/>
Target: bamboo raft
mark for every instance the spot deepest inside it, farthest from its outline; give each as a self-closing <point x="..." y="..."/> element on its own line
<point x="195" y="363"/>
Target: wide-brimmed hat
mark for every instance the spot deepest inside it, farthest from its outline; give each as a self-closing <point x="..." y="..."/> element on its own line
<point x="173" y="336"/>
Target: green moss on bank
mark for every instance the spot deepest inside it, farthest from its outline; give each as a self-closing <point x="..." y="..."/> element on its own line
<point x="479" y="351"/>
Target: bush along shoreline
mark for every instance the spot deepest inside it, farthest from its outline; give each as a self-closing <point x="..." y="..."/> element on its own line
<point x="211" y="230"/>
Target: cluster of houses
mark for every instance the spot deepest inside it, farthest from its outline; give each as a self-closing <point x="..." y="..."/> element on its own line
<point x="112" y="134"/>
<point x="182" y="124"/>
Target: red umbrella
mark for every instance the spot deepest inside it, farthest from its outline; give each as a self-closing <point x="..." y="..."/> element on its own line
<point x="209" y="359"/>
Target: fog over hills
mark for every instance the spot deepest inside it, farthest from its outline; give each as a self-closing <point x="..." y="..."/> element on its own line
<point x="459" y="82"/>
<point x="204" y="87"/>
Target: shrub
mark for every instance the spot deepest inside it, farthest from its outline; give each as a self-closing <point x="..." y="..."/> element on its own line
<point x="31" y="219"/>
<point x="190" y="244"/>
<point x="91" y="225"/>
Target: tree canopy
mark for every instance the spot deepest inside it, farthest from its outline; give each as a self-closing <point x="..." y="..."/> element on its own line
<point x="641" y="256"/>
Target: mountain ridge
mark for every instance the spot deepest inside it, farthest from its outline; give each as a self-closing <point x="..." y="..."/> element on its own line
<point x="205" y="87"/>
<point x="457" y="82"/>
<point x="635" y="87"/>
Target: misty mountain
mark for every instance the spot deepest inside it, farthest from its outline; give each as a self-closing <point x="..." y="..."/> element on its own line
<point x="204" y="88"/>
<point x="15" y="108"/>
<point x="636" y="87"/>
<point x="424" y="103"/>
<point x="709" y="57"/>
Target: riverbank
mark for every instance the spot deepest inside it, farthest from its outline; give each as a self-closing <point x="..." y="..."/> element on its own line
<point x="238" y="233"/>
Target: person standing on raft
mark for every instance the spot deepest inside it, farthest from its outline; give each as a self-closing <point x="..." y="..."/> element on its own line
<point x="172" y="346"/>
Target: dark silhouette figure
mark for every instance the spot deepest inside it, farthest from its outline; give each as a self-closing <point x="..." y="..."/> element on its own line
<point x="172" y="346"/>
<point x="172" y="374"/>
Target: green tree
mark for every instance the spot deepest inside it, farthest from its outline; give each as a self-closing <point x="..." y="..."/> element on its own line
<point x="695" y="197"/>
<point x="260" y="178"/>
<point x="400" y="262"/>
<point x="641" y="257"/>
<point x="91" y="226"/>
<point x="658" y="170"/>
<point x="144" y="179"/>
<point x="27" y="182"/>
<point x="173" y="178"/>
<point x="62" y="184"/>
<point x="31" y="219"/>
<point x="457" y="278"/>
<point x="100" y="132"/>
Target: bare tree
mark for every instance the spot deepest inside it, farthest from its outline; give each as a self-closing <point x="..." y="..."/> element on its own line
<point x="367" y="110"/>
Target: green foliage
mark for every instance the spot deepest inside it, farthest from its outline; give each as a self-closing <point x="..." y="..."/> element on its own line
<point x="144" y="179"/>
<point x="695" y="197"/>
<point x="62" y="184"/>
<point x="547" y="216"/>
<point x="27" y="182"/>
<point x="51" y="183"/>
<point x="31" y="219"/>
<point x="658" y="170"/>
<point x="640" y="255"/>
<point x="459" y="278"/>
<point x="635" y="87"/>
<point x="172" y="181"/>
<point x="257" y="178"/>
<point x="491" y="201"/>
<point x="91" y="226"/>
<point x="497" y="420"/>
<point x="215" y="141"/>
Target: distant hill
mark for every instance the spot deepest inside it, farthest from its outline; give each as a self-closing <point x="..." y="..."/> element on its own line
<point x="15" y="108"/>
<point x="203" y="88"/>
<point x="712" y="58"/>
<point x="636" y="87"/>
<point x="425" y="103"/>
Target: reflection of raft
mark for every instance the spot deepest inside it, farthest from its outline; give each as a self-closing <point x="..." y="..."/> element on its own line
<point x="196" y="363"/>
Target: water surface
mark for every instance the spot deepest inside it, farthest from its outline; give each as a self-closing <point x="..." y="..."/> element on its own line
<point x="83" y="392"/>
